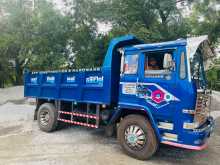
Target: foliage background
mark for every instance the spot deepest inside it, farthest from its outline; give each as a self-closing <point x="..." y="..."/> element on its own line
<point x="44" y="38"/>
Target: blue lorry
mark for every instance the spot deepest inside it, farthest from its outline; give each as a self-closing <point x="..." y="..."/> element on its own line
<point x="148" y="93"/>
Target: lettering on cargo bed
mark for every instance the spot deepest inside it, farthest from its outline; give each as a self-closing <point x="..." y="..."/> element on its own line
<point x="96" y="80"/>
<point x="71" y="79"/>
<point x="34" y="80"/>
<point x="50" y="79"/>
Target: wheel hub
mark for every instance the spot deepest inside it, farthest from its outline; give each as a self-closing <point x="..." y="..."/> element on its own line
<point x="44" y="118"/>
<point x="132" y="138"/>
<point x="135" y="137"/>
<point x="47" y="117"/>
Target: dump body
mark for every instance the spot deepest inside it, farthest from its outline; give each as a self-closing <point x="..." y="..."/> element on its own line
<point x="80" y="86"/>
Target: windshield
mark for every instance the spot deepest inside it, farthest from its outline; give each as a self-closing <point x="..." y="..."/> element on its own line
<point x="197" y="69"/>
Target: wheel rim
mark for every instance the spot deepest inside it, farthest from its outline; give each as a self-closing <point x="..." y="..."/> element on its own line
<point x="135" y="137"/>
<point x="44" y="118"/>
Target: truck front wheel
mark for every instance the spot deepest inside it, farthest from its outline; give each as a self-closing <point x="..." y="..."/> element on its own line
<point x="47" y="117"/>
<point x="137" y="137"/>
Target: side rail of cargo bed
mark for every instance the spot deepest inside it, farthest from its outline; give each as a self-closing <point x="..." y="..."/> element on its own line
<point x="84" y="85"/>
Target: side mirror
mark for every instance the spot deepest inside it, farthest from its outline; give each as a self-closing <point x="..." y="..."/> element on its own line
<point x="121" y="51"/>
<point x="168" y="62"/>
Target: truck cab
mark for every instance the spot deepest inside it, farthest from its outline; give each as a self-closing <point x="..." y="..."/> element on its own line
<point x="167" y="82"/>
<point x="148" y="93"/>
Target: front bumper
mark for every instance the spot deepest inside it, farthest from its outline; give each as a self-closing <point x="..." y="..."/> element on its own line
<point x="194" y="139"/>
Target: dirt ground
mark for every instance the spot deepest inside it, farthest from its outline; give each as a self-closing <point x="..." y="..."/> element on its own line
<point x="21" y="142"/>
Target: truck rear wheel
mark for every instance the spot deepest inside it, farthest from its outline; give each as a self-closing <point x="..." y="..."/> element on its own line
<point x="47" y="117"/>
<point x="137" y="137"/>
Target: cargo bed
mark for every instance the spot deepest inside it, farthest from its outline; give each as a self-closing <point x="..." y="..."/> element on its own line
<point x="84" y="85"/>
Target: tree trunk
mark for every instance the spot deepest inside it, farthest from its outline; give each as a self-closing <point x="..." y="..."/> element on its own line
<point x="18" y="73"/>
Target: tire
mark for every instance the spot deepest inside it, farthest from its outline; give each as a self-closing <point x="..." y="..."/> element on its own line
<point x="146" y="146"/>
<point x="47" y="117"/>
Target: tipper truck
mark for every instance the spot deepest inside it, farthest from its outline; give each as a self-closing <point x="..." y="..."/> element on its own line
<point x="146" y="93"/>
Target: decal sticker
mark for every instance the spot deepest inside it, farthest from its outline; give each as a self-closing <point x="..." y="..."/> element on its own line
<point x="96" y="80"/>
<point x="50" y="79"/>
<point x="154" y="94"/>
<point x="71" y="79"/>
<point x="129" y="89"/>
<point x="34" y="80"/>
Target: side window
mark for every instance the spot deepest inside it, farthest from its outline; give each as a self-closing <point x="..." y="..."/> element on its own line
<point x="154" y="62"/>
<point x="130" y="64"/>
<point x="182" y="66"/>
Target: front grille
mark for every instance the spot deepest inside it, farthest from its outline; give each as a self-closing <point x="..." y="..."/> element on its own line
<point x="202" y="109"/>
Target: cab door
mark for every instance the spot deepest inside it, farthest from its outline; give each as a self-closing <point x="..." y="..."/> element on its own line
<point x="157" y="85"/>
<point x="129" y="78"/>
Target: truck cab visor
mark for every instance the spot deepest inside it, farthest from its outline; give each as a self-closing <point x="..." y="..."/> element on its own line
<point x="202" y="42"/>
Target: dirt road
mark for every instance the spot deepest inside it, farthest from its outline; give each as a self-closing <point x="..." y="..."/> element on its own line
<point x="21" y="142"/>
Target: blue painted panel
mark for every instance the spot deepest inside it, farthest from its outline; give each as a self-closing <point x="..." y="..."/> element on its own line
<point x="78" y="86"/>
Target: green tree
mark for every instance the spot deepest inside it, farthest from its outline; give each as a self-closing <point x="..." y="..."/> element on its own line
<point x="87" y="46"/>
<point x="205" y="19"/>
<point x="35" y="39"/>
<point x="150" y="20"/>
<point x="49" y="39"/>
<point x="212" y="75"/>
<point x="5" y="69"/>
<point x="45" y="39"/>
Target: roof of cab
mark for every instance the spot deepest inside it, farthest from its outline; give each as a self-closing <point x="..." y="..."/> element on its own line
<point x="168" y="44"/>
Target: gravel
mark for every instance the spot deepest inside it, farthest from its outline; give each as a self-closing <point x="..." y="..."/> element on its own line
<point x="21" y="141"/>
<point x="11" y="94"/>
